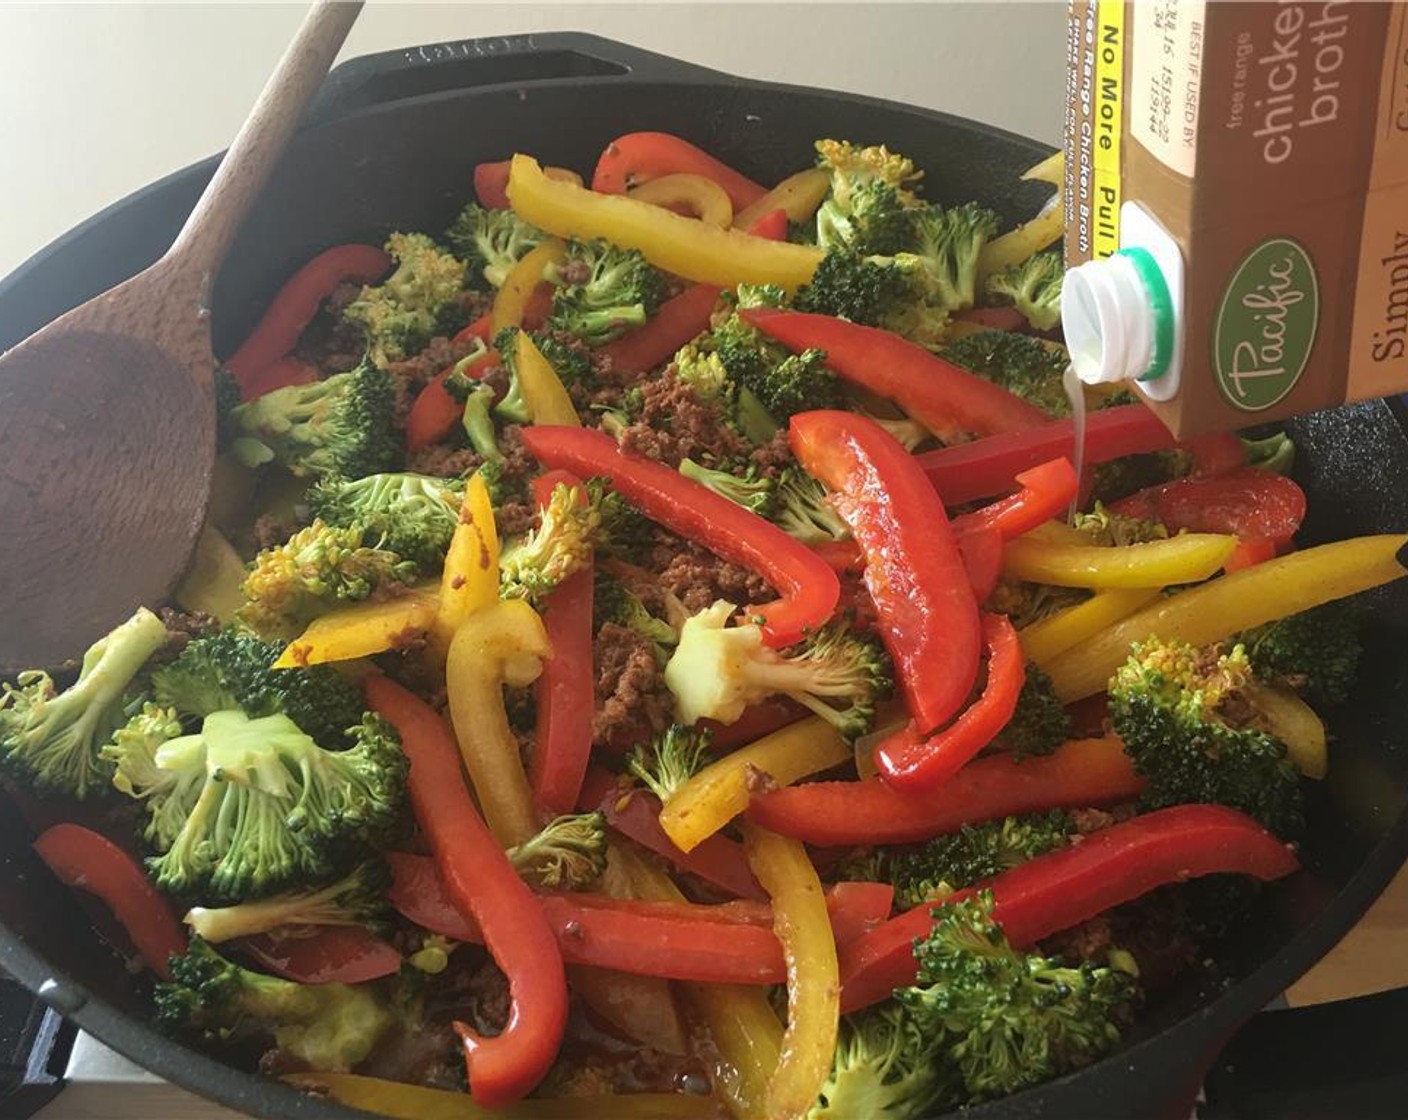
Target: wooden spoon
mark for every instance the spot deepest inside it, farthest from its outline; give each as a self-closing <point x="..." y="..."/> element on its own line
<point x="107" y="415"/>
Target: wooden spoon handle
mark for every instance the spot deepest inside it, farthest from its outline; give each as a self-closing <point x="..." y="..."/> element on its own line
<point x="200" y="246"/>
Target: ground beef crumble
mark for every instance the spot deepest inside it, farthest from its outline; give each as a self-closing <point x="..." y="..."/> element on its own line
<point x="632" y="702"/>
<point x="674" y="424"/>
<point x="697" y="577"/>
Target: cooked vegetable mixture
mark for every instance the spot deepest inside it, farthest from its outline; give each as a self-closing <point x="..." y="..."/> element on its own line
<point x="651" y="646"/>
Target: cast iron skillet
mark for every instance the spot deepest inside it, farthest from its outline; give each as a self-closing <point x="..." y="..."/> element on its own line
<point x="391" y="146"/>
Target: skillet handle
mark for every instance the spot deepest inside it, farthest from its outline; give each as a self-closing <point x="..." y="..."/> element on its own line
<point x="513" y="60"/>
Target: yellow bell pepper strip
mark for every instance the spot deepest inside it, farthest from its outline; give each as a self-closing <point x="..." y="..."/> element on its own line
<point x="798" y="195"/>
<point x="680" y="245"/>
<point x="213" y="583"/>
<point x="1294" y="722"/>
<point x="403" y="1101"/>
<point x="1043" y="640"/>
<point x="511" y="302"/>
<point x="470" y="579"/>
<point x="740" y="1020"/>
<point x="1186" y="558"/>
<point x="364" y="629"/>
<point x="1040" y="232"/>
<point x="719" y="792"/>
<point x="785" y="871"/>
<point x="501" y="644"/>
<point x="1232" y="603"/>
<point x="543" y="391"/>
<point x="709" y="201"/>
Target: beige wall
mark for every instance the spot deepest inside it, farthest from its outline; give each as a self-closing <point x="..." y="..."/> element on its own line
<point x="97" y="99"/>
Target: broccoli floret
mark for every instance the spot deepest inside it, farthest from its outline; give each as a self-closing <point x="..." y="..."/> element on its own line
<point x="1315" y="652"/>
<point x="935" y="869"/>
<point x="613" y="601"/>
<point x="356" y="899"/>
<point x="1190" y="727"/>
<point x="947" y="245"/>
<point x="804" y="511"/>
<point x="417" y="301"/>
<point x="760" y="295"/>
<point x="228" y="397"/>
<point x="491" y="242"/>
<point x="234" y="669"/>
<point x="1033" y="287"/>
<point x="885" y="1068"/>
<point x="1039" y="724"/>
<point x="51" y="739"/>
<point x="1122" y="477"/>
<point x="412" y="515"/>
<point x="670" y="759"/>
<point x="784" y="382"/>
<point x="624" y="531"/>
<point x="342" y="425"/>
<point x="1274" y="453"/>
<point x="871" y="205"/>
<point x="478" y="423"/>
<point x="331" y="1027"/>
<point x="567" y="853"/>
<point x="1025" y="603"/>
<point x="1114" y="529"/>
<point x="1017" y="362"/>
<point x="602" y="291"/>
<point x="751" y="490"/>
<point x="862" y="289"/>
<point x="702" y="369"/>
<point x="717" y="670"/>
<point x="562" y="543"/>
<point x="319" y="566"/>
<point x="246" y="807"/>
<point x="1002" y="1019"/>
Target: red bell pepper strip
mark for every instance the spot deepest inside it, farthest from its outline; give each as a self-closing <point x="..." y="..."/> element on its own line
<point x="491" y="184"/>
<point x="810" y="589"/>
<point x="980" y="546"/>
<point x="1046" y="492"/>
<point x="1249" y="552"/>
<point x="1063" y="888"/>
<point x="288" y="370"/>
<point x="82" y="858"/>
<point x="434" y="413"/>
<point x="757" y="720"/>
<point x="336" y="955"/>
<point x="674" y="323"/>
<point x="948" y="400"/>
<point x="636" y="816"/>
<point x="732" y="943"/>
<point x="913" y="568"/>
<point x="981" y="549"/>
<point x="985" y="467"/>
<point x="911" y="761"/>
<point x="482" y="328"/>
<point x="772" y="225"/>
<point x="1080" y="774"/>
<point x="296" y="304"/>
<point x="483" y="885"/>
<point x="1248" y="501"/>
<point x="1215" y="453"/>
<point x="639" y="157"/>
<point x="565" y="689"/>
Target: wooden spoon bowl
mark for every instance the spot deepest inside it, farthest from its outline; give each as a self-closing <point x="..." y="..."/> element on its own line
<point x="107" y="415"/>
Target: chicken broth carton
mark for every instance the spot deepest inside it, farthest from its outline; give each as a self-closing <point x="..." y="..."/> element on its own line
<point x="1237" y="205"/>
